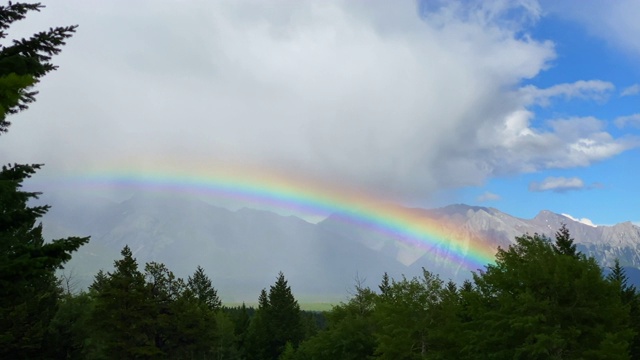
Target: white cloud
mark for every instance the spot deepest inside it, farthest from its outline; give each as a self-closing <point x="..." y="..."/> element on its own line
<point x="631" y="90"/>
<point x="488" y="196"/>
<point x="557" y="184"/>
<point x="366" y="94"/>
<point x="582" y="220"/>
<point x="591" y="89"/>
<point x="628" y="120"/>
<point x="568" y="143"/>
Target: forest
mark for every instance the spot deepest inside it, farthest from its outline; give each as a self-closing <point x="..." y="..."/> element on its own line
<point x="541" y="299"/>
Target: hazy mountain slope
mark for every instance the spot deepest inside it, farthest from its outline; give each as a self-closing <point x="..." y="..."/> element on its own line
<point x="244" y="250"/>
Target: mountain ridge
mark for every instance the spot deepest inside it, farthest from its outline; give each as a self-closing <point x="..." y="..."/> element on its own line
<point x="244" y="249"/>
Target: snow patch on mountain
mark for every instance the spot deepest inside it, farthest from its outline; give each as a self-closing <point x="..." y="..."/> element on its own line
<point x="582" y="221"/>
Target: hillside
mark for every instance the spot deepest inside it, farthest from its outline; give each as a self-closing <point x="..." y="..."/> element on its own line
<point x="243" y="250"/>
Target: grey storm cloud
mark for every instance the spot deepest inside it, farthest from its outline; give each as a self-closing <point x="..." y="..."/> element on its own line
<point x="367" y="93"/>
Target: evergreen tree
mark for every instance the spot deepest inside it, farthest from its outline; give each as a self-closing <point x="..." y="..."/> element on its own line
<point x="226" y="346"/>
<point x="241" y="320"/>
<point x="564" y="242"/>
<point x="161" y="292"/>
<point x="283" y="316"/>
<point x="27" y="263"/>
<point x="258" y="340"/>
<point x="618" y="277"/>
<point x="289" y="352"/>
<point x="201" y="287"/>
<point x="123" y="314"/>
<point x="98" y="282"/>
<point x="190" y="329"/>
<point x="630" y="298"/>
<point x="276" y="322"/>
<point x="69" y="329"/>
<point x="25" y="61"/>
<point x="385" y="285"/>
<point x="27" y="266"/>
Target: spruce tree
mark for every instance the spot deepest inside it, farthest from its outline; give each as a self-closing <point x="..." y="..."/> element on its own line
<point x="564" y="243"/>
<point x="283" y="316"/>
<point x="123" y="313"/>
<point x="25" y="61"/>
<point x="385" y="285"/>
<point x="27" y="263"/>
<point x="630" y="298"/>
<point x="201" y="287"/>
<point x="258" y="340"/>
<point x="277" y="321"/>
<point x="241" y="321"/>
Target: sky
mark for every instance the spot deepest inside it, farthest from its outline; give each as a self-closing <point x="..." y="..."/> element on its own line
<point x="519" y="105"/>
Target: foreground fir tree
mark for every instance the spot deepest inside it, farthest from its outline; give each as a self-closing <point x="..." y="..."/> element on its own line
<point x="122" y="316"/>
<point x="201" y="287"/>
<point x="25" y="61"/>
<point x="27" y="263"/>
<point x="284" y="315"/>
<point x="277" y="321"/>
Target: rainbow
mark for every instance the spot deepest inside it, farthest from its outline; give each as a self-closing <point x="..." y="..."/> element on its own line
<point x="410" y="228"/>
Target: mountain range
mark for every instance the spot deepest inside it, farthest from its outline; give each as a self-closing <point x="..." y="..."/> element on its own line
<point x="243" y="250"/>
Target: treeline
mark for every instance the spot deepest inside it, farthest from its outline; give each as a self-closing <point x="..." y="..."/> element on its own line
<point x="540" y="300"/>
<point x="151" y="314"/>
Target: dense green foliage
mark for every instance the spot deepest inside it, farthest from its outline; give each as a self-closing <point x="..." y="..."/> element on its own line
<point x="535" y="302"/>
<point x="540" y="300"/>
